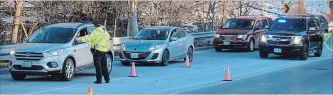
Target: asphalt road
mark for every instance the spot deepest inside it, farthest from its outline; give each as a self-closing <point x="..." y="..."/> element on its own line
<point x="248" y="72"/>
<point x="313" y="78"/>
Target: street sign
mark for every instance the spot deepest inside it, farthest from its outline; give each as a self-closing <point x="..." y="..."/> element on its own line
<point x="286" y="8"/>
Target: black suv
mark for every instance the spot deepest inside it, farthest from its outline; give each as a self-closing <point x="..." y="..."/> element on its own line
<point x="292" y="35"/>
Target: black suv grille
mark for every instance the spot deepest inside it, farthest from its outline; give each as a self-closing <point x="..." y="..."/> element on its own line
<point x="28" y="56"/>
<point x="142" y="55"/>
<point x="280" y="40"/>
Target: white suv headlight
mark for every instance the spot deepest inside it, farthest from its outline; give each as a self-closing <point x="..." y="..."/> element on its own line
<point x="155" y="47"/>
<point x="297" y="40"/>
<point x="55" y="52"/>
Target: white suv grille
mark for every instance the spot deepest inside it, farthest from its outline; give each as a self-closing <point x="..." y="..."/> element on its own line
<point x="28" y="56"/>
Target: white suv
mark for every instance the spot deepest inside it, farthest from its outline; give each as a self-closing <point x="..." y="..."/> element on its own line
<point x="52" y="50"/>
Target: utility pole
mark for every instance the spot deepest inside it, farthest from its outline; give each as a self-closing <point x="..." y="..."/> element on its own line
<point x="330" y="5"/>
<point x="262" y="8"/>
<point x="17" y="20"/>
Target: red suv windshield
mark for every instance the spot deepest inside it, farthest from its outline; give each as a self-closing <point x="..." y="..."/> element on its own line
<point x="243" y="24"/>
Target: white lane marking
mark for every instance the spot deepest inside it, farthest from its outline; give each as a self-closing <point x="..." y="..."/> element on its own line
<point x="49" y="90"/>
<point x="203" y="64"/>
<point x="214" y="84"/>
<point x="175" y="69"/>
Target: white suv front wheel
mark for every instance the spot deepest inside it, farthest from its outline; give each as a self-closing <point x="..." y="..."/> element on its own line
<point x="68" y="70"/>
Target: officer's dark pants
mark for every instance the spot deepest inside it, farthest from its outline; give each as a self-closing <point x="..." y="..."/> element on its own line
<point x="100" y="65"/>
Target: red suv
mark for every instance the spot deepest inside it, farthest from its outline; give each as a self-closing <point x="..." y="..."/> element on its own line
<point x="241" y="33"/>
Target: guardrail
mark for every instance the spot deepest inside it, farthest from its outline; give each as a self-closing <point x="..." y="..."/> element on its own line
<point x="197" y="35"/>
<point x="119" y="40"/>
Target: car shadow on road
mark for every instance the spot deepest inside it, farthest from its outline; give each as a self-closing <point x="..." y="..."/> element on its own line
<point x="236" y="50"/>
<point x="154" y="64"/>
<point x="285" y="57"/>
<point x="42" y="79"/>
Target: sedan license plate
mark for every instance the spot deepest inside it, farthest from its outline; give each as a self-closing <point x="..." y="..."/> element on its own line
<point x="226" y="43"/>
<point x="277" y="50"/>
<point x="26" y="64"/>
<point x="134" y="55"/>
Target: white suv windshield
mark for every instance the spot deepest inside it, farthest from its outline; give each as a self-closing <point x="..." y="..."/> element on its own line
<point x="52" y="35"/>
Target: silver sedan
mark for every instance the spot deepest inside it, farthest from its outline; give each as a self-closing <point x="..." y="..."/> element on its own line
<point x="158" y="44"/>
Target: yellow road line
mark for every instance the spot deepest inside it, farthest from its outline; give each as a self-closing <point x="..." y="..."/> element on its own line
<point x="327" y="36"/>
<point x="214" y="84"/>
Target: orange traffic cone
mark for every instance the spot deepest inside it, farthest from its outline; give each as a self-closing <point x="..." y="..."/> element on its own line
<point x="227" y="75"/>
<point x="187" y="63"/>
<point x="90" y="91"/>
<point x="133" y="72"/>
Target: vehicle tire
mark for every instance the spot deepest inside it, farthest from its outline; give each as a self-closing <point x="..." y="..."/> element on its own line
<point x="250" y="47"/>
<point x="304" y="53"/>
<point x="217" y="49"/>
<point x="190" y="54"/>
<point x="165" y="58"/>
<point x="319" y="50"/>
<point x="68" y="69"/>
<point x="126" y="63"/>
<point x="109" y="62"/>
<point x="18" y="76"/>
<point x="263" y="54"/>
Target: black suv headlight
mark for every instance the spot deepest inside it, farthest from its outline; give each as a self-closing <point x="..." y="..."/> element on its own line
<point x="297" y="40"/>
<point x="263" y="39"/>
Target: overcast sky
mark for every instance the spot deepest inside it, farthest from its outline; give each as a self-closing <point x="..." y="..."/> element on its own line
<point x="317" y="6"/>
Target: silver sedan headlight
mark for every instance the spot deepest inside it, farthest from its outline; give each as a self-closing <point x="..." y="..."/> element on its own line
<point x="155" y="47"/>
<point x="123" y="47"/>
<point x="217" y="36"/>
<point x="12" y="52"/>
<point x="55" y="52"/>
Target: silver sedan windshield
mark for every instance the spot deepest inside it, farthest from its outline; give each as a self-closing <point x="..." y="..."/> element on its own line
<point x="152" y="34"/>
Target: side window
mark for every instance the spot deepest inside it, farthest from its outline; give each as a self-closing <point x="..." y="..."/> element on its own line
<point x="270" y="21"/>
<point x="264" y="23"/>
<point x="181" y="33"/>
<point x="175" y="33"/>
<point x="312" y="23"/>
<point x="82" y="32"/>
<point x="90" y="29"/>
<point x="258" y="24"/>
<point x="322" y="20"/>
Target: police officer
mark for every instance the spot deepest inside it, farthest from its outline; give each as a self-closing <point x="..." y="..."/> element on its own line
<point x="100" y="45"/>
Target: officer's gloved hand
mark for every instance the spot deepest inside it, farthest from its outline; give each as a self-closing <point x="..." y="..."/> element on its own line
<point x="77" y="40"/>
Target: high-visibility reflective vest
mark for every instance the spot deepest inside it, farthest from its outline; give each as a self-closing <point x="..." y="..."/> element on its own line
<point x="99" y="39"/>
